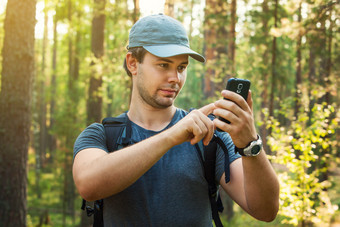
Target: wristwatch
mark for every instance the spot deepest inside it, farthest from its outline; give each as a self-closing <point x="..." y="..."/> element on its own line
<point x="253" y="149"/>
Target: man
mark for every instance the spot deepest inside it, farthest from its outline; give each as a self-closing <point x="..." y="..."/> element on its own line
<point x="159" y="180"/>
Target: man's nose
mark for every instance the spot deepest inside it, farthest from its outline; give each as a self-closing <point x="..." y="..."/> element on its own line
<point x="174" y="76"/>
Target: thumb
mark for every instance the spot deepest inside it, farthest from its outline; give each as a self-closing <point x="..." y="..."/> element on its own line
<point x="208" y="109"/>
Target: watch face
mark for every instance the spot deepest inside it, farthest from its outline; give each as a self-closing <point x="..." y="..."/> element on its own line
<point x="255" y="149"/>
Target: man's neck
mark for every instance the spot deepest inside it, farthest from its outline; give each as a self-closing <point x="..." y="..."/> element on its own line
<point x="151" y="118"/>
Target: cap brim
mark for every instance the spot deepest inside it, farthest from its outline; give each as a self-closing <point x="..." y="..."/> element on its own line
<point x="170" y="50"/>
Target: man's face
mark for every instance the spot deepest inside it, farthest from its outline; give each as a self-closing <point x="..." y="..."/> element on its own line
<point x="159" y="80"/>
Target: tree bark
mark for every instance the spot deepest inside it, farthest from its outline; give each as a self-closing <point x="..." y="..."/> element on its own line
<point x="15" y="109"/>
<point x="169" y="8"/>
<point x="218" y="69"/>
<point x="95" y="98"/>
<point x="298" y="80"/>
<point x="40" y="149"/>
<point x="136" y="11"/>
<point x="232" y="38"/>
<point x="210" y="39"/>
<point x="298" y="77"/>
<point x="71" y="111"/>
<point x="273" y="84"/>
<point x="265" y="77"/>
<point x="52" y="141"/>
<point x="325" y="81"/>
<point x="311" y="78"/>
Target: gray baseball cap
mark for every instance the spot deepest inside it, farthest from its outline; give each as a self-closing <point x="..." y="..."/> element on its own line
<point x="162" y="36"/>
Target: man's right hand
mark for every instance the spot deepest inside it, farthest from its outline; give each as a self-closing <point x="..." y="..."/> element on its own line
<point x="194" y="127"/>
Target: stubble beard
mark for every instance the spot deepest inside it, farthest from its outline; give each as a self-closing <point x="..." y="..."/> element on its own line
<point x="154" y="100"/>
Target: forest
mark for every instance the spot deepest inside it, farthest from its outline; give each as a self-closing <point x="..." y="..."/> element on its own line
<point x="62" y="69"/>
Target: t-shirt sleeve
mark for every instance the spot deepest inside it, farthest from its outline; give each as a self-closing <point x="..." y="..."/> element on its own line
<point x="220" y="154"/>
<point x="92" y="137"/>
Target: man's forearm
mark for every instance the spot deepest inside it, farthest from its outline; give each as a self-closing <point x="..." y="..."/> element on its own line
<point x="261" y="187"/>
<point x="101" y="175"/>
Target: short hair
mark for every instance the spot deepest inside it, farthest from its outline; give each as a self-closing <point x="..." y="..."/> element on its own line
<point x="138" y="53"/>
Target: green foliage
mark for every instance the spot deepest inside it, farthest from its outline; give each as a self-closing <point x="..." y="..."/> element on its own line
<point x="304" y="150"/>
<point x="117" y="84"/>
<point x="49" y="207"/>
<point x="191" y="95"/>
<point x="243" y="219"/>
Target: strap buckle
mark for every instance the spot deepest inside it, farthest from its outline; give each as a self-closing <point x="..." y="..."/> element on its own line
<point x="89" y="211"/>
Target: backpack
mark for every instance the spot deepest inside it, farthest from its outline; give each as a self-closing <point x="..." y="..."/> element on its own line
<point x="115" y="127"/>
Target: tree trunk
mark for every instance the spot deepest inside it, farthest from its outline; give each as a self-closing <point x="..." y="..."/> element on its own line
<point x="210" y="39"/>
<point x="298" y="77"/>
<point x="265" y="78"/>
<point x="223" y="69"/>
<point x="52" y="141"/>
<point x="232" y="38"/>
<point x="95" y="98"/>
<point x="169" y="8"/>
<point x="325" y="81"/>
<point x="274" y="75"/>
<point x="216" y="47"/>
<point x="71" y="110"/>
<point x="311" y="79"/>
<point x="192" y="3"/>
<point x="136" y="11"/>
<point x="42" y="94"/>
<point x="15" y="109"/>
<point x="40" y="149"/>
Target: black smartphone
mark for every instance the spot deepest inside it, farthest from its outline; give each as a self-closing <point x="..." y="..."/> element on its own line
<point x="239" y="86"/>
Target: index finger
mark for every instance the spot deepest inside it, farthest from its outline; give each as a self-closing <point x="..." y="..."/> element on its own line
<point x="207" y="109"/>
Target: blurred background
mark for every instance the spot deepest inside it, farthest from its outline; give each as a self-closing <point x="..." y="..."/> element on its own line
<point x="61" y="70"/>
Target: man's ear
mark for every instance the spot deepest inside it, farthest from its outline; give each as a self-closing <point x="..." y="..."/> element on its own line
<point x="131" y="63"/>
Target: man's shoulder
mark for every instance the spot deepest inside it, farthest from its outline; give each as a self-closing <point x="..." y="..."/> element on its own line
<point x="92" y="137"/>
<point x="92" y="129"/>
<point x="95" y="126"/>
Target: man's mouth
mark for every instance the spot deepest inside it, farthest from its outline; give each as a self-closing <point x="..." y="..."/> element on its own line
<point x="169" y="91"/>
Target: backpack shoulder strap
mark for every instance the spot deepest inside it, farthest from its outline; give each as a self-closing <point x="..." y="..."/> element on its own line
<point x="220" y="142"/>
<point x="114" y="128"/>
<point x="209" y="163"/>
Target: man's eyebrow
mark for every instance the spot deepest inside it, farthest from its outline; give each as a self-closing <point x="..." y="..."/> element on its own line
<point x="170" y="61"/>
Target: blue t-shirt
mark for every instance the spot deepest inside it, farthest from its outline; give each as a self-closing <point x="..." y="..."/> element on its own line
<point x="173" y="192"/>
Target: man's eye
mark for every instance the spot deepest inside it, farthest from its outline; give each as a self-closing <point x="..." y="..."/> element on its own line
<point x="181" y="68"/>
<point x="163" y="65"/>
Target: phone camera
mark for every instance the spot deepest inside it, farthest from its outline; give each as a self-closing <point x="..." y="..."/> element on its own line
<point x="239" y="88"/>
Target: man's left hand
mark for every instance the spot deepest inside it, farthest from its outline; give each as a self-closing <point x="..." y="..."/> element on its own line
<point x="240" y="114"/>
